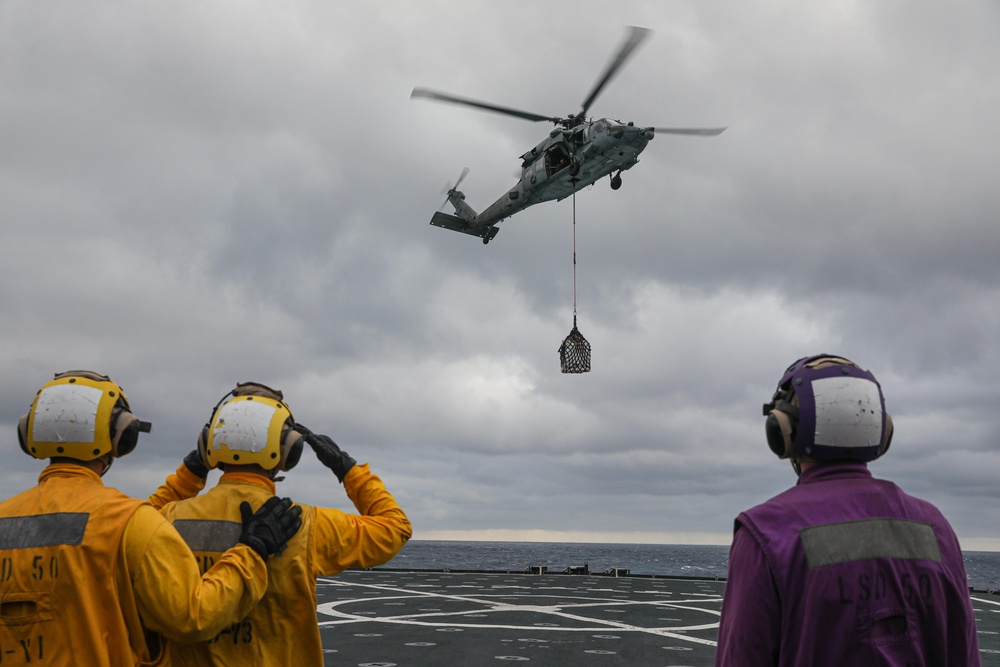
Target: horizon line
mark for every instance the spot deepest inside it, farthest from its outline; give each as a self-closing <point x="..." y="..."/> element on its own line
<point x="649" y="538"/>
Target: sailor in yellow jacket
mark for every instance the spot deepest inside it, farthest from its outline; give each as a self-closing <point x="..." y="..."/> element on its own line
<point x="253" y="436"/>
<point x="90" y="576"/>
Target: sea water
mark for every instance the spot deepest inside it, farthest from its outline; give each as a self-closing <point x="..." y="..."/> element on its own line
<point x="709" y="561"/>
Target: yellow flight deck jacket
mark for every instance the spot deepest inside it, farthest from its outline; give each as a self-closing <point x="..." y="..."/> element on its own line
<point x="282" y="629"/>
<point x="90" y="576"/>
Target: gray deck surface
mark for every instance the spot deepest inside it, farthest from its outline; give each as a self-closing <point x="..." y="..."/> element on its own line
<point x="390" y="618"/>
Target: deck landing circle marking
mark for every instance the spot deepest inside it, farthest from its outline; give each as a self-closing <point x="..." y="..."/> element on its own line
<point x="496" y="601"/>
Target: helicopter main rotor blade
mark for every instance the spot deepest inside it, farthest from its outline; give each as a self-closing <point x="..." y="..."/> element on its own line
<point x="442" y="97"/>
<point x="698" y="131"/>
<point x="635" y="37"/>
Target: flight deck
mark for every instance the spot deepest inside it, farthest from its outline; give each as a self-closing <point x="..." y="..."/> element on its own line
<point x="403" y="618"/>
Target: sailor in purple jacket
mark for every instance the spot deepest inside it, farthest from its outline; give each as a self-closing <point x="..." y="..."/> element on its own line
<point x="842" y="569"/>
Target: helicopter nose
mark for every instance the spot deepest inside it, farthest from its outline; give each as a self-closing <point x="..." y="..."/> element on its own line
<point x="648" y="133"/>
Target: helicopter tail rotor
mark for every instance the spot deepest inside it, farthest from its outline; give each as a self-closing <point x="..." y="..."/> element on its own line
<point x="456" y="198"/>
<point x="450" y="190"/>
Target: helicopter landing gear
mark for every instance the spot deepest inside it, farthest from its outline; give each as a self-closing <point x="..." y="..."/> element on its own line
<point x="574" y="168"/>
<point x="616" y="181"/>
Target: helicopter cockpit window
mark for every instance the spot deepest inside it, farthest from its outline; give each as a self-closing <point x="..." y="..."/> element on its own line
<point x="600" y="126"/>
<point x="556" y="159"/>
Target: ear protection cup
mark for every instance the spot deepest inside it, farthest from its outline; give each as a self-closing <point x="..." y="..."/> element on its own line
<point x="887" y="440"/>
<point x="203" y="445"/>
<point x="203" y="435"/>
<point x="22" y="433"/>
<point x="291" y="448"/>
<point x="782" y="419"/>
<point x="124" y="433"/>
<point x="125" y="429"/>
<point x="779" y="429"/>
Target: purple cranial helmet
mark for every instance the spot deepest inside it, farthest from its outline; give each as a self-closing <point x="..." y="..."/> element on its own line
<point x="827" y="408"/>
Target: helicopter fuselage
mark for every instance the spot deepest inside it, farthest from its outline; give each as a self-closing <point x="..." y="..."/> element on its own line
<point x="574" y="155"/>
<point x="568" y="160"/>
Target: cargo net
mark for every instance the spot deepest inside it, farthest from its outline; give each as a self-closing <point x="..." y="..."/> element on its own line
<point x="574" y="353"/>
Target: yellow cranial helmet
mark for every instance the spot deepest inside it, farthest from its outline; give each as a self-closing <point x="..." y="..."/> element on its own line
<point x="79" y="415"/>
<point x="253" y="426"/>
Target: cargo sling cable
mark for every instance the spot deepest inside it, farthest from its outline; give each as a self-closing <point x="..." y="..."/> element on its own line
<point x="574" y="353"/>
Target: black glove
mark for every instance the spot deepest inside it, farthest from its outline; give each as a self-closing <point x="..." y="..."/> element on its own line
<point x="268" y="530"/>
<point x="195" y="464"/>
<point x="328" y="453"/>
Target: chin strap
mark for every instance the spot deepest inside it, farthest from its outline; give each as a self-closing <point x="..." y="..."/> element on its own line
<point x="108" y="460"/>
<point x="796" y="466"/>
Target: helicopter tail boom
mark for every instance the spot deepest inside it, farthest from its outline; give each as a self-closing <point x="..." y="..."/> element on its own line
<point x="457" y="224"/>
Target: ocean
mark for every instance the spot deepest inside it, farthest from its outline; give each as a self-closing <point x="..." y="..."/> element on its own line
<point x="982" y="567"/>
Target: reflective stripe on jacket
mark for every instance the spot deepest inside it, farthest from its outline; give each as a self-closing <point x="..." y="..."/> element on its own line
<point x="90" y="576"/>
<point x="844" y="569"/>
<point x="282" y="629"/>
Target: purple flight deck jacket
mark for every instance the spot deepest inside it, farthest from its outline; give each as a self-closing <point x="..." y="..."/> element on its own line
<point x="844" y="569"/>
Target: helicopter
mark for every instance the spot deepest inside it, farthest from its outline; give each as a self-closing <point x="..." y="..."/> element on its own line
<point x="576" y="153"/>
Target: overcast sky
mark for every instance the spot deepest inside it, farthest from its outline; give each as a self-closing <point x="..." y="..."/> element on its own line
<point x="198" y="193"/>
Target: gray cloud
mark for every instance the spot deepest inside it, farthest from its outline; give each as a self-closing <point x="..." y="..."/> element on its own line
<point x="199" y="193"/>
